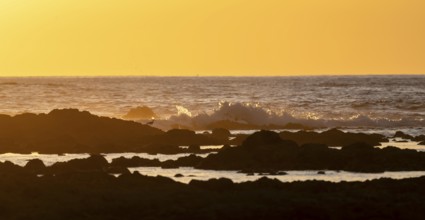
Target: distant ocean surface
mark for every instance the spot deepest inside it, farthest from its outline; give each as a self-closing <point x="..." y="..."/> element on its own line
<point x="322" y="101"/>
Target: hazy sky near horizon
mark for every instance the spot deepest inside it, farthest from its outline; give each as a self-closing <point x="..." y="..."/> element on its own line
<point x="211" y="37"/>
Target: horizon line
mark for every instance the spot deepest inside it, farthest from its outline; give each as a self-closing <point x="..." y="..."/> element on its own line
<point x="211" y="76"/>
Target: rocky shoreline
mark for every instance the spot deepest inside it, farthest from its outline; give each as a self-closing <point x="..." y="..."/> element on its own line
<point x="93" y="188"/>
<point x="98" y="195"/>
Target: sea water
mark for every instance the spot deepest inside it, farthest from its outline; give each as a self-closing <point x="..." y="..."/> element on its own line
<point x="370" y="104"/>
<point x="384" y="102"/>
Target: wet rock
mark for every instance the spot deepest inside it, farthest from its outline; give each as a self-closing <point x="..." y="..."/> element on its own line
<point x="360" y="146"/>
<point x="262" y="138"/>
<point x="194" y="148"/>
<point x="178" y="175"/>
<point x="184" y="137"/>
<point x="258" y="154"/>
<point x="10" y="168"/>
<point x="213" y="184"/>
<point x="188" y="161"/>
<point x="332" y="137"/>
<point x="117" y="170"/>
<point x="95" y="162"/>
<point x="135" y="162"/>
<point x="400" y="134"/>
<point x="35" y="166"/>
<point x="161" y="149"/>
<point x="419" y="138"/>
<point x="221" y="133"/>
<point x="71" y="131"/>
<point x="169" y="164"/>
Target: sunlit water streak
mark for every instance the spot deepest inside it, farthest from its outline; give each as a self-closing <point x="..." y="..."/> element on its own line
<point x="49" y="159"/>
<point x="191" y="173"/>
<point x="291" y="176"/>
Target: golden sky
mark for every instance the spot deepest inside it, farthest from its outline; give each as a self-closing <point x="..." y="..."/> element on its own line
<point x="211" y="37"/>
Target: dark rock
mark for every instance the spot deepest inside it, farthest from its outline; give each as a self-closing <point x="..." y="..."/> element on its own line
<point x="221" y="133"/>
<point x="98" y="195"/>
<point x="267" y="156"/>
<point x="178" y="175"/>
<point x="71" y="131"/>
<point x="194" y="148"/>
<point x="332" y="137"/>
<point x="161" y="149"/>
<point x="169" y="164"/>
<point x="188" y="161"/>
<point x="184" y="137"/>
<point x="400" y="134"/>
<point x="213" y="184"/>
<point x="117" y="170"/>
<point x="95" y="162"/>
<point x="35" y="166"/>
<point x="135" y="162"/>
<point x="262" y="138"/>
<point x="419" y="138"/>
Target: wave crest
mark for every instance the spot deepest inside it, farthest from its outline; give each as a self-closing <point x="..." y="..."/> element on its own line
<point x="254" y="116"/>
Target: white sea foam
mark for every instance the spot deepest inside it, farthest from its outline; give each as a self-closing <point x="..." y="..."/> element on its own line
<point x="255" y="115"/>
<point x="367" y="101"/>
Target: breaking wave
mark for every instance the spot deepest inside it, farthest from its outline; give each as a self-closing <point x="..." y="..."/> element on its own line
<point x="254" y="116"/>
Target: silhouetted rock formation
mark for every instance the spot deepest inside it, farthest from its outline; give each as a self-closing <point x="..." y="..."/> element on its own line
<point x="419" y="138"/>
<point x="94" y="163"/>
<point x="221" y="134"/>
<point x="233" y="125"/>
<point x="265" y="150"/>
<point x="184" y="137"/>
<point x="97" y="195"/>
<point x="36" y="166"/>
<point x="135" y="162"/>
<point x="70" y="131"/>
<point x="333" y="137"/>
<point x="400" y="134"/>
<point x="186" y="161"/>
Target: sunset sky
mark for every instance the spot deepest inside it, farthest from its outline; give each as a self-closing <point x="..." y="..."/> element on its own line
<point x="211" y="37"/>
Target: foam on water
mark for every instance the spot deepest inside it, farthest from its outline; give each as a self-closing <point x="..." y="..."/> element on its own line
<point x="347" y="101"/>
<point x="255" y="115"/>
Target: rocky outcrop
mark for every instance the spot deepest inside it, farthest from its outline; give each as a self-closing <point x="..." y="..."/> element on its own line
<point x="265" y="150"/>
<point x="71" y="131"/>
<point x="333" y="137"/>
<point x="98" y="195"/>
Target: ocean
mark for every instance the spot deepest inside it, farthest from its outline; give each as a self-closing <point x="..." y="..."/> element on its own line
<point x="373" y="102"/>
